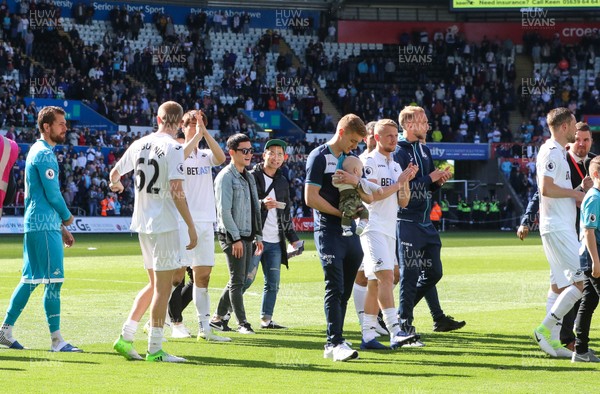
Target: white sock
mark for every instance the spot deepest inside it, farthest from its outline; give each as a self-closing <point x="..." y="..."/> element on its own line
<point x="359" y="295"/>
<point x="6" y="337"/>
<point x="390" y="318"/>
<point x="564" y="303"/>
<point x="202" y="302"/>
<point x="129" y="329"/>
<point x="155" y="340"/>
<point x="552" y="296"/>
<point x="368" y="327"/>
<point x="57" y="340"/>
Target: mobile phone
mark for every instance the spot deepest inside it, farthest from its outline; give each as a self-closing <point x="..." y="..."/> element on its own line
<point x="280" y="205"/>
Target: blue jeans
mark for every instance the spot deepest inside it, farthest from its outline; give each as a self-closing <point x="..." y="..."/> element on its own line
<point x="271" y="265"/>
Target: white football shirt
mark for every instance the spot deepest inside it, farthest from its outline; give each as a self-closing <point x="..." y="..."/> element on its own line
<point x="198" y="185"/>
<point x="382" y="213"/>
<point x="157" y="159"/>
<point x="556" y="214"/>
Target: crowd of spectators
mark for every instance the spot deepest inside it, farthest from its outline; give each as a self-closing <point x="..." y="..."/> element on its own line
<point x="87" y="157"/>
<point x="466" y="88"/>
<point x="559" y="84"/>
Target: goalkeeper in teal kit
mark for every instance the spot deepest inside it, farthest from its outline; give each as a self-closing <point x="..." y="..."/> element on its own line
<point x="46" y="218"/>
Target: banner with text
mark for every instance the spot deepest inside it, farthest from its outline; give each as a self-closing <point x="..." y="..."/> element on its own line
<point x="544" y="24"/>
<point x="303" y="224"/>
<point x="280" y="18"/>
<point x="91" y="225"/>
<point x="14" y="225"/>
<point x="450" y="151"/>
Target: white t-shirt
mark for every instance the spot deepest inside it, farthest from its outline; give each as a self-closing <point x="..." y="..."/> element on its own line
<point x="556" y="214"/>
<point x="198" y="186"/>
<point x="157" y="159"/>
<point x="382" y="213"/>
<point x="270" y="228"/>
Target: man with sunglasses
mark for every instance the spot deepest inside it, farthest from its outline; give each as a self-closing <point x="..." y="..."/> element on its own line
<point x="239" y="226"/>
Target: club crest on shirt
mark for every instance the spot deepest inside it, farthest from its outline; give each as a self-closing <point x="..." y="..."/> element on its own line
<point x="551" y="166"/>
<point x="50" y="174"/>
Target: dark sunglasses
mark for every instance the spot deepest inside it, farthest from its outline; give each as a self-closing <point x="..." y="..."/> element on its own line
<point x="245" y="151"/>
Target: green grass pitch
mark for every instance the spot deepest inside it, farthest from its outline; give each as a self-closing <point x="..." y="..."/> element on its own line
<point x="495" y="282"/>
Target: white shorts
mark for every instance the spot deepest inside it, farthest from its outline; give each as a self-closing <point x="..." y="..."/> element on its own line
<point x="380" y="253"/>
<point x="203" y="255"/>
<point x="161" y="252"/>
<point x="562" y="253"/>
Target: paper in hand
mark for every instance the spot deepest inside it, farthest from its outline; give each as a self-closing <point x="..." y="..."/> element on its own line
<point x="292" y="252"/>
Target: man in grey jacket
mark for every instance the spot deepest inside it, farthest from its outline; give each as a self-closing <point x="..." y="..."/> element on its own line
<point x="239" y="225"/>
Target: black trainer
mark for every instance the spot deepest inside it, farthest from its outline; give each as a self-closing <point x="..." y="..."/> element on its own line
<point x="447" y="323"/>
<point x="245" y="328"/>
<point x="272" y="326"/>
<point x="222" y="325"/>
